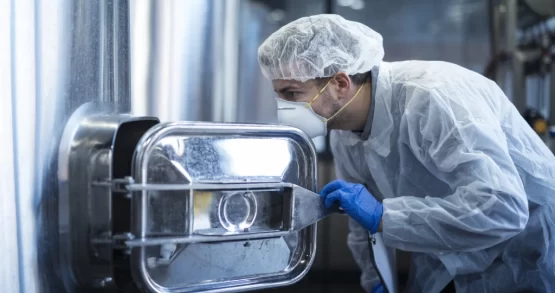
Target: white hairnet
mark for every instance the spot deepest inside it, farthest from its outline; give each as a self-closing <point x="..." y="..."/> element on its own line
<point x="320" y="46"/>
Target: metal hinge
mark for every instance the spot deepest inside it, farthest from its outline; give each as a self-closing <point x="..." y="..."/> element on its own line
<point x="119" y="241"/>
<point x="120" y="185"/>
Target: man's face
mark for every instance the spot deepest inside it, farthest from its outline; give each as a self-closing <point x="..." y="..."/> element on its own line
<point x="295" y="91"/>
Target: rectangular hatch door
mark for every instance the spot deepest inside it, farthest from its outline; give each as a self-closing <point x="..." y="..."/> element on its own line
<point x="209" y="211"/>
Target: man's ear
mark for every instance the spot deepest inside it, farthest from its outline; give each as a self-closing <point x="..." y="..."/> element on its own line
<point x="341" y="84"/>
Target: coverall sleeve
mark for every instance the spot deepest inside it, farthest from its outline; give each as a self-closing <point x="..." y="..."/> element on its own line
<point x="357" y="239"/>
<point x="463" y="145"/>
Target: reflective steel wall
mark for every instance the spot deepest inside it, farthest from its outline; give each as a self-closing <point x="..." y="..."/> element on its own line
<point x="184" y="59"/>
<point x="55" y="56"/>
<point x="197" y="60"/>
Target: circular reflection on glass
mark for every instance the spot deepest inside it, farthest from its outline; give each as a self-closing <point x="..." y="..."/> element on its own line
<point x="237" y="211"/>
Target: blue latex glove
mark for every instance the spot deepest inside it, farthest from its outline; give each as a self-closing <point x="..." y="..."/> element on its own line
<point x="356" y="201"/>
<point x="378" y="289"/>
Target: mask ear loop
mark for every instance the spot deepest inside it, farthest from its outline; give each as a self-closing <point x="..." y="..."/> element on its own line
<point x="344" y="106"/>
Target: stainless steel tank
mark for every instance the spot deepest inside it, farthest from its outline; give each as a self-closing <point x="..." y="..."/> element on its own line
<point x="70" y="71"/>
<point x="56" y="56"/>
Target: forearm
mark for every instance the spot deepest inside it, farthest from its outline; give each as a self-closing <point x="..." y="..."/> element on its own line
<point x="459" y="222"/>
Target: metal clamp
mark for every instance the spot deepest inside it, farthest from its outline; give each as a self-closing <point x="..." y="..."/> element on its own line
<point x="127" y="184"/>
<point x="301" y="208"/>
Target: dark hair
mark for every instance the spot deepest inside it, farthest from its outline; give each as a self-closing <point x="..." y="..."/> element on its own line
<point x="361" y="78"/>
<point x="357" y="79"/>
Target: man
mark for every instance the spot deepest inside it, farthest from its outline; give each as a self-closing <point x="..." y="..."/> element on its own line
<point x="454" y="174"/>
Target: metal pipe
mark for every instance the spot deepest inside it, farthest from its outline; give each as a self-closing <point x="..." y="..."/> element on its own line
<point x="218" y="77"/>
<point x="9" y="272"/>
<point x="518" y="81"/>
<point x="24" y="104"/>
<point x="120" y="43"/>
<point x="536" y="31"/>
<point x="225" y="32"/>
<point x="231" y="64"/>
<point x="140" y="53"/>
<point x="493" y="26"/>
<point x="517" y="58"/>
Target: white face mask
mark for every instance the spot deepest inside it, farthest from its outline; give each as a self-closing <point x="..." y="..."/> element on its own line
<point x="301" y="115"/>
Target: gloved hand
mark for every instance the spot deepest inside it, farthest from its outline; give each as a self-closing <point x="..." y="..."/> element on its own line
<point x="378" y="288"/>
<point x="356" y="201"/>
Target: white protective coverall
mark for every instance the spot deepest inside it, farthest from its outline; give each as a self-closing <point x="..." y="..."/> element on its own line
<point x="467" y="186"/>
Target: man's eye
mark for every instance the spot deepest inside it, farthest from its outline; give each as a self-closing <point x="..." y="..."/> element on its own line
<point x="292" y="96"/>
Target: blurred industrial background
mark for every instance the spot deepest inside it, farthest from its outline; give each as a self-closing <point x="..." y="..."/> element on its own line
<point x="196" y="60"/>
